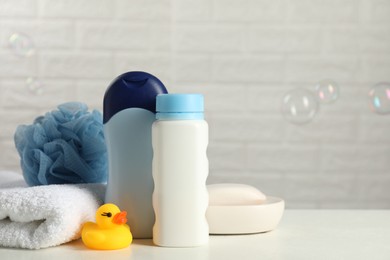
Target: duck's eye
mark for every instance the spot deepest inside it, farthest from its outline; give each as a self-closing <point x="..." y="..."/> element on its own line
<point x="107" y="214"/>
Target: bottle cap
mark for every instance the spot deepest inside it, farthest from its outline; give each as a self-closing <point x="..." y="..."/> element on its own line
<point x="179" y="106"/>
<point x="135" y="89"/>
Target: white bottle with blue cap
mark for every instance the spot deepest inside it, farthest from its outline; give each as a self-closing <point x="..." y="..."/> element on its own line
<point x="180" y="170"/>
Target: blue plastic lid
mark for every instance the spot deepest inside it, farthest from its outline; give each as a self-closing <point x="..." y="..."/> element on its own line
<point x="179" y="106"/>
<point x="132" y="89"/>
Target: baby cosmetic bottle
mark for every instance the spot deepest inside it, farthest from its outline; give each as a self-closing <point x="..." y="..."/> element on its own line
<point x="180" y="170"/>
<point x="129" y="112"/>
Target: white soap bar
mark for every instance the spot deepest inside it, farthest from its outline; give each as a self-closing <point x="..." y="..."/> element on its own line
<point x="234" y="194"/>
<point x="241" y="209"/>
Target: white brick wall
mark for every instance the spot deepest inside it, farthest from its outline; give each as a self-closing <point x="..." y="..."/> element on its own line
<point x="112" y="35"/>
<point x="215" y="38"/>
<point x="23" y="8"/>
<point x="56" y="34"/>
<point x="240" y="68"/>
<point x="243" y="55"/>
<point x="250" y="10"/>
<point x="82" y="64"/>
<point x="76" y="9"/>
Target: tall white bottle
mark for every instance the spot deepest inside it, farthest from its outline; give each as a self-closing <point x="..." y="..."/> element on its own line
<point x="180" y="170"/>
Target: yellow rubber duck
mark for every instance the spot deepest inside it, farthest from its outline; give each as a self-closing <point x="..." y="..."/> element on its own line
<point x="109" y="232"/>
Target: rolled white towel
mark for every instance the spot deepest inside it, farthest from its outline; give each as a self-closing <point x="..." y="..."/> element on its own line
<point x="44" y="216"/>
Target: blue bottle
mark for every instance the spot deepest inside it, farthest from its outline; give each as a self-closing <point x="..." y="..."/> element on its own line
<point x="129" y="109"/>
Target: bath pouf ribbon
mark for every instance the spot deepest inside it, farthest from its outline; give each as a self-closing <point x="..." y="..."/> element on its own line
<point x="63" y="146"/>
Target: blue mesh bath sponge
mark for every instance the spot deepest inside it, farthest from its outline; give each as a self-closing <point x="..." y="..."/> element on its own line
<point x="63" y="146"/>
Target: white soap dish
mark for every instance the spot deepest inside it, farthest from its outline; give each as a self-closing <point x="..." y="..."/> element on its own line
<point x="246" y="217"/>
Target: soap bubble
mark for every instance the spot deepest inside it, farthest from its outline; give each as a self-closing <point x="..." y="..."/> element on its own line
<point x="379" y="98"/>
<point x="327" y="91"/>
<point x="21" y="45"/>
<point x="34" y="86"/>
<point x="299" y="106"/>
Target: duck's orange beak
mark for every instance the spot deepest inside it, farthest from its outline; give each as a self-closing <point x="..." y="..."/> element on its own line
<point x="120" y="218"/>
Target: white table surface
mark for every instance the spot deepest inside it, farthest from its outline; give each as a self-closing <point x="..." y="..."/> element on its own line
<point x="302" y="234"/>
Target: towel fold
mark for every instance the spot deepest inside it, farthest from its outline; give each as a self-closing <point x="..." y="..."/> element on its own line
<point x="45" y="216"/>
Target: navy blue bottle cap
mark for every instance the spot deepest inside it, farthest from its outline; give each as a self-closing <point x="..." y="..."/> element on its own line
<point x="136" y="89"/>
